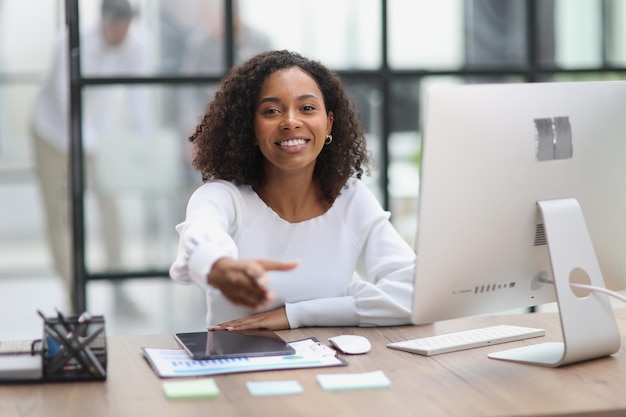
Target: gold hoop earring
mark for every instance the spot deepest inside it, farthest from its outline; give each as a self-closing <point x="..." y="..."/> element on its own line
<point x="328" y="140"/>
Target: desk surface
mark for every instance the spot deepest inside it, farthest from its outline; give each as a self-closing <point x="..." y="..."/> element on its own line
<point x="463" y="383"/>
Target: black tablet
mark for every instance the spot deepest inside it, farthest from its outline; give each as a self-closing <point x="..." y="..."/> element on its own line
<point x="233" y="344"/>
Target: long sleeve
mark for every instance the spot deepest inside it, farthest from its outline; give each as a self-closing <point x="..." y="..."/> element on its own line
<point x="49" y="112"/>
<point x="141" y="62"/>
<point x="204" y="235"/>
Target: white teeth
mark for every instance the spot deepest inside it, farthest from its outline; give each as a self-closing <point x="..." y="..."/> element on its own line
<point x="292" y="142"/>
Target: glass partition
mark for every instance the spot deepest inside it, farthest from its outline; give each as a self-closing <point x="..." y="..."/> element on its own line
<point x="425" y="34"/>
<point x="140" y="177"/>
<point x="342" y="34"/>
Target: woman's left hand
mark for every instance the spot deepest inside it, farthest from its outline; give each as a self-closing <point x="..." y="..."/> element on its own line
<point x="273" y="320"/>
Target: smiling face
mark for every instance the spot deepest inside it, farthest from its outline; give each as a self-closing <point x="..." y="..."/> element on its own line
<point x="290" y="122"/>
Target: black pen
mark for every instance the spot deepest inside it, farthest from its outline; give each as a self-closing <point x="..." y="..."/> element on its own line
<point x="64" y="322"/>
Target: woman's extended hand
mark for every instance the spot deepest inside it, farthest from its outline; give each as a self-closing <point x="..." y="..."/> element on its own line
<point x="273" y="320"/>
<point x="244" y="281"/>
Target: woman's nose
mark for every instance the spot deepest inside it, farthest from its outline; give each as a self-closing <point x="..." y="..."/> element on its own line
<point x="291" y="120"/>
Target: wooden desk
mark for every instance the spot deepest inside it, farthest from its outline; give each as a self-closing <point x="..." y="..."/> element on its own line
<point x="456" y="384"/>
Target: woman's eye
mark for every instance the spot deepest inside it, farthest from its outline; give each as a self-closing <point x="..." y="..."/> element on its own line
<point x="308" y="107"/>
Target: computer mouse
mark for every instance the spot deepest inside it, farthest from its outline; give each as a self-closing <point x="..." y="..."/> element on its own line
<point x="351" y="344"/>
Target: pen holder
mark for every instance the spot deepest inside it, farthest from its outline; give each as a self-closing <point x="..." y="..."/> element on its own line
<point x="74" y="348"/>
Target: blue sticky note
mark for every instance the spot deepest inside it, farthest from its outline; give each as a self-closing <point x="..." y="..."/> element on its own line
<point x="274" y="388"/>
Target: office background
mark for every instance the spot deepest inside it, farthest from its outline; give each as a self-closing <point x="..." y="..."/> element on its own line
<point x="388" y="52"/>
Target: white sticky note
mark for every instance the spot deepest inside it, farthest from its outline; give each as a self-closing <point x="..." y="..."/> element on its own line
<point x="274" y="388"/>
<point x="338" y="382"/>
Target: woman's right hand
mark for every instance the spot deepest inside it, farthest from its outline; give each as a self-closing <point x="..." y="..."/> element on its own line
<point x="244" y="281"/>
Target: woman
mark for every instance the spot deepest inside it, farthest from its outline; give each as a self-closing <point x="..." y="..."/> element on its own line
<point x="283" y="234"/>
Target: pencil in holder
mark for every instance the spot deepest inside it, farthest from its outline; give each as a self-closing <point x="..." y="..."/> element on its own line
<point x="74" y="347"/>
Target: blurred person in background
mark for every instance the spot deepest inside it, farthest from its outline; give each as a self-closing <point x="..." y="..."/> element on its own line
<point x="111" y="48"/>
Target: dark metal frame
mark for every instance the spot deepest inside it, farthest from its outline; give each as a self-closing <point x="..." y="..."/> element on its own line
<point x="383" y="77"/>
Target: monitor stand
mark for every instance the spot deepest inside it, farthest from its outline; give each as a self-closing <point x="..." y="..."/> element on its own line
<point x="588" y="323"/>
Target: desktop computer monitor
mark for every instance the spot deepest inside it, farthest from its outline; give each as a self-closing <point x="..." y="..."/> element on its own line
<point x="494" y="157"/>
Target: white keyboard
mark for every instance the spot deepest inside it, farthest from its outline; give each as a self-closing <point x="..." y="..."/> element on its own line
<point x="468" y="339"/>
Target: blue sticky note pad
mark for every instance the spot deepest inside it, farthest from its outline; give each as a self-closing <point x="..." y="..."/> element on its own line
<point x="197" y="388"/>
<point x="340" y="382"/>
<point x="274" y="388"/>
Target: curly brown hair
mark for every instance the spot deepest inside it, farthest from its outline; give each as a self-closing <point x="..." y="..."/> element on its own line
<point x="224" y="139"/>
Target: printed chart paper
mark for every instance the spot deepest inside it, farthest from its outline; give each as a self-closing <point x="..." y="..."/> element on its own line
<point x="310" y="353"/>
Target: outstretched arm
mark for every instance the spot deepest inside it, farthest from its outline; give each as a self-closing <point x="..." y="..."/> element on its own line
<point x="244" y="281"/>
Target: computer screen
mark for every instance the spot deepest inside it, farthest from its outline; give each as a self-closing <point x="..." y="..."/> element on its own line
<point x="490" y="155"/>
